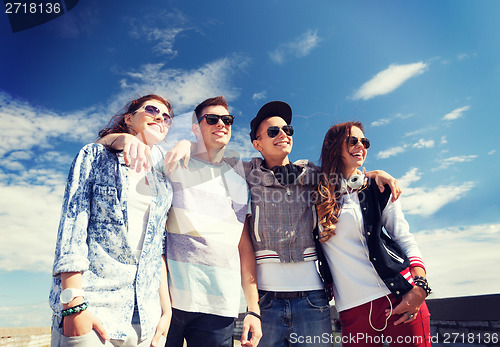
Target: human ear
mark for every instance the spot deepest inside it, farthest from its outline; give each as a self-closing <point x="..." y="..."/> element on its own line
<point x="257" y="145"/>
<point x="195" y="128"/>
<point x="128" y="119"/>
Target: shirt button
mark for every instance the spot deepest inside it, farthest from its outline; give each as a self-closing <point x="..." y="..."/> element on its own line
<point x="368" y="233"/>
<point x="397" y="292"/>
<point x="392" y="284"/>
<point x="364" y="208"/>
<point x="374" y="259"/>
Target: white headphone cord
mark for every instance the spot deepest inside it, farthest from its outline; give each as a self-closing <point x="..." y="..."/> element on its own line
<point x="360" y="225"/>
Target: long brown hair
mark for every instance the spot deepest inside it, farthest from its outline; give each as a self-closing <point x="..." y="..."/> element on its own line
<point x="332" y="171"/>
<point x="117" y="123"/>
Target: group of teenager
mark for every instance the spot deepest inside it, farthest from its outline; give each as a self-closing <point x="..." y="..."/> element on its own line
<point x="154" y="251"/>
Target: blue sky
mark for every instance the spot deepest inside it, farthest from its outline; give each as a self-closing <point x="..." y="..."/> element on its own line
<point x="422" y="76"/>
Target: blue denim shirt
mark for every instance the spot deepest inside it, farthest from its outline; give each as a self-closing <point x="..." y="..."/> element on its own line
<point x="92" y="239"/>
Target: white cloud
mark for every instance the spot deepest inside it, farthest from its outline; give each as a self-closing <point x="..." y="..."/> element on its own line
<point x="30" y="128"/>
<point x="152" y="28"/>
<point x="464" y="56"/>
<point x="391" y="152"/>
<point x="299" y="47"/>
<point x="165" y="38"/>
<point x="29" y="219"/>
<point x="380" y="122"/>
<point x="425" y="201"/>
<point x="493" y="151"/>
<point x="305" y="43"/>
<point x="421" y="131"/>
<point x="443" y="140"/>
<point x="384" y="121"/>
<point x="186" y="89"/>
<point x="456" y="113"/>
<point x="259" y="96"/>
<point x="413" y="175"/>
<point x="445" y="163"/>
<point x="389" y="79"/>
<point x="55" y="158"/>
<point x="424" y="144"/>
<point x="20" y="155"/>
<point x="477" y="248"/>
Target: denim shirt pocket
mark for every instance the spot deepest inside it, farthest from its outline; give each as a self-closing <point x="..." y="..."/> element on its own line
<point x="105" y="206"/>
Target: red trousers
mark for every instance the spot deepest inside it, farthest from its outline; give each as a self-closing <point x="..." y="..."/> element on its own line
<point x="356" y="329"/>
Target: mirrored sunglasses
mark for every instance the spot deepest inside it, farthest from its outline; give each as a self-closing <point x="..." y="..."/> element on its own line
<point x="353" y="141"/>
<point x="153" y="111"/>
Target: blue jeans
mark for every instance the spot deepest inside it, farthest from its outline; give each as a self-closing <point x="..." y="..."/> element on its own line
<point x="304" y="321"/>
<point x="199" y="329"/>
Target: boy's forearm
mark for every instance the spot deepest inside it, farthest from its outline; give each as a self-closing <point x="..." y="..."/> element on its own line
<point x="115" y="141"/>
<point x="248" y="271"/>
<point x="165" y="303"/>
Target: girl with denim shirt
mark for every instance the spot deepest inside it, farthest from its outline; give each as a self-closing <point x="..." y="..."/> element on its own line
<point x="109" y="285"/>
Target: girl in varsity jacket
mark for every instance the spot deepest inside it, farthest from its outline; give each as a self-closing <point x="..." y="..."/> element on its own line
<point x="378" y="272"/>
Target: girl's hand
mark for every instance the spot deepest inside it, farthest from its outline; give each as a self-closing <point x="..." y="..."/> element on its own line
<point x="162" y="328"/>
<point x="82" y="323"/>
<point x="409" y="307"/>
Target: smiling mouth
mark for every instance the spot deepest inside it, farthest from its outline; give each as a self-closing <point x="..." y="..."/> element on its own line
<point x="219" y="133"/>
<point x="158" y="126"/>
<point x="281" y="143"/>
<point x="357" y="155"/>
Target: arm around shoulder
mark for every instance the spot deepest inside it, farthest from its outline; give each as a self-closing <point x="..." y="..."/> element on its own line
<point x="135" y="153"/>
<point x="382" y="178"/>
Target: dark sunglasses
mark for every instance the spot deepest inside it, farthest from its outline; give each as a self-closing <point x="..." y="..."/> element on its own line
<point x="214" y="119"/>
<point x="275" y="130"/>
<point x="353" y="141"/>
<point x="153" y="111"/>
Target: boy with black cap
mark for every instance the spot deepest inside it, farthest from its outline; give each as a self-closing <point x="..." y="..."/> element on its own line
<point x="294" y="301"/>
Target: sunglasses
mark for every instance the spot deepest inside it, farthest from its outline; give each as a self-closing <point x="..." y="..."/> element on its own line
<point x="153" y="111"/>
<point x="214" y="119"/>
<point x="275" y="130"/>
<point x="353" y="141"/>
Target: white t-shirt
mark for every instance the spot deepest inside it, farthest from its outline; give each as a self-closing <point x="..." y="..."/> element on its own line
<point x="204" y="229"/>
<point x="355" y="280"/>
<point x="288" y="277"/>
<point x="139" y="199"/>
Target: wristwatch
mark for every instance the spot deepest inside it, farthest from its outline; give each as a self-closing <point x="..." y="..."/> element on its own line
<point x="68" y="294"/>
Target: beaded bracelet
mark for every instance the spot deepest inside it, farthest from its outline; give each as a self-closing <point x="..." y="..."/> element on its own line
<point x="253" y="314"/>
<point x="76" y="309"/>
<point x="422" y="283"/>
